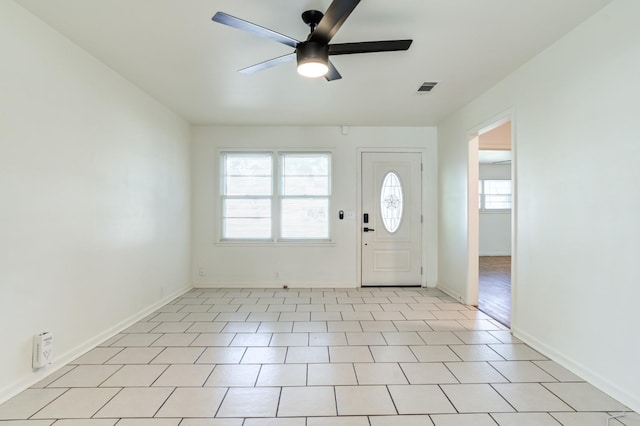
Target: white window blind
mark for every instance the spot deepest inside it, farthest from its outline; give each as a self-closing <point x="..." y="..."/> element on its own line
<point x="495" y="194"/>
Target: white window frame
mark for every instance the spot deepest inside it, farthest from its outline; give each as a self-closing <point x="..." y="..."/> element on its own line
<point x="224" y="196"/>
<point x="481" y="192"/>
<point x="276" y="198"/>
<point x="282" y="197"/>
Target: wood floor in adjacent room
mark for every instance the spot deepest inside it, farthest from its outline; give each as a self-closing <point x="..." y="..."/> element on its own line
<point x="494" y="298"/>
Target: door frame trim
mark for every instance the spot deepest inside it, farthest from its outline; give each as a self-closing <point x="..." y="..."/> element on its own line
<point x="424" y="194"/>
<point x="470" y="294"/>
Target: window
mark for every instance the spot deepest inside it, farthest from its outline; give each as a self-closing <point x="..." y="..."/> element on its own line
<point x="247" y="191"/>
<point x="495" y="194"/>
<point x="287" y="200"/>
<point x="304" y="191"/>
<point x="391" y="202"/>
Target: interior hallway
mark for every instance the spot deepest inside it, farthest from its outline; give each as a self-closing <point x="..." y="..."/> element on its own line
<point x="348" y="357"/>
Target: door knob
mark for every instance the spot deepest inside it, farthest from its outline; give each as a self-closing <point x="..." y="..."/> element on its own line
<point x="368" y="229"/>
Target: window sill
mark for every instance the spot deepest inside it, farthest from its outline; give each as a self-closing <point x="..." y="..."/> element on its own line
<point x="496" y="211"/>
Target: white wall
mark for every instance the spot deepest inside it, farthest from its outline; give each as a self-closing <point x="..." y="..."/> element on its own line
<point x="576" y="153"/>
<point x="335" y="265"/>
<point x="94" y="186"/>
<point x="495" y="227"/>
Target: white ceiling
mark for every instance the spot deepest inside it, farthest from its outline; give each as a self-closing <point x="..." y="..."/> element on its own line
<point x="172" y="50"/>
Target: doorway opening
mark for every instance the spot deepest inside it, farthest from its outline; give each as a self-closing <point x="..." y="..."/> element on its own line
<point x="493" y="221"/>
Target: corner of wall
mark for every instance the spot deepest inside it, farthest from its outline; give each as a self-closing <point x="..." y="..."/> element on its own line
<point x="450" y="291"/>
<point x="581" y="370"/>
<point x="24" y="383"/>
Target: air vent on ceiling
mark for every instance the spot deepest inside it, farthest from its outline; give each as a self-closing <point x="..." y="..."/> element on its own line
<point x="427" y="87"/>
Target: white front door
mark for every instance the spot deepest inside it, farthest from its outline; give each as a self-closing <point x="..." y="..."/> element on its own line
<point x="391" y="220"/>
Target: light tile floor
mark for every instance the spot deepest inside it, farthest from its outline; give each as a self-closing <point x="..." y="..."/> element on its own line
<point x="356" y="357"/>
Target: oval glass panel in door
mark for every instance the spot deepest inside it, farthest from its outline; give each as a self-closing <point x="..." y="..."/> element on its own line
<point x="391" y="202"/>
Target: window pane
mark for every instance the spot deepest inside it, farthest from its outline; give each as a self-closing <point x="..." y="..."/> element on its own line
<point x="305" y="185"/>
<point x="494" y="202"/>
<point x="391" y="202"/>
<point x="256" y="164"/>
<point x="497" y="187"/>
<point x="305" y="174"/>
<point x="497" y="194"/>
<point x="247" y="174"/>
<point x="252" y="185"/>
<point x="305" y="164"/>
<point x="304" y="218"/>
<point x="251" y="207"/>
<point x="247" y="218"/>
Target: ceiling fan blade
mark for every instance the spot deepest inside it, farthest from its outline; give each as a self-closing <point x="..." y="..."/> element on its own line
<point x="241" y="24"/>
<point x="268" y="64"/>
<point x="334" y="17"/>
<point x="369" y="47"/>
<point x="333" y="73"/>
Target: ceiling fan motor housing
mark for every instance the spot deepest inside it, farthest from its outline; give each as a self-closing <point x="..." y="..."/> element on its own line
<point x="310" y="51"/>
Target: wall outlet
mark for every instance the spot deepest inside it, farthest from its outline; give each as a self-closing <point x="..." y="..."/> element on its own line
<point x="42" y="350"/>
<point x="201" y="272"/>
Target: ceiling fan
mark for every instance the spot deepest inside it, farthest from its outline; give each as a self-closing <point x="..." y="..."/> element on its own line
<point x="312" y="55"/>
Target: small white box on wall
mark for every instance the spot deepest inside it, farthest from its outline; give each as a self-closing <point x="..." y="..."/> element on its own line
<point x="42" y="350"/>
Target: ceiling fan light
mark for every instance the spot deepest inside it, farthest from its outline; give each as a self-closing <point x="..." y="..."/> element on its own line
<point x="313" y="59"/>
<point x="313" y="69"/>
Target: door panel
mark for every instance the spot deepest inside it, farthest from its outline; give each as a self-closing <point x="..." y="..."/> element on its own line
<point x="392" y="203"/>
<point x="392" y="260"/>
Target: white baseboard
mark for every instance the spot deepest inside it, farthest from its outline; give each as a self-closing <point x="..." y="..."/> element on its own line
<point x="280" y="284"/>
<point x="611" y="389"/>
<point x="275" y="284"/>
<point x="496" y="253"/>
<point x="65" y="358"/>
<point x="451" y="292"/>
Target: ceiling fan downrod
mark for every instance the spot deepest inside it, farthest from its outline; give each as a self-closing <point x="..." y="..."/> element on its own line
<point x="312" y="18"/>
